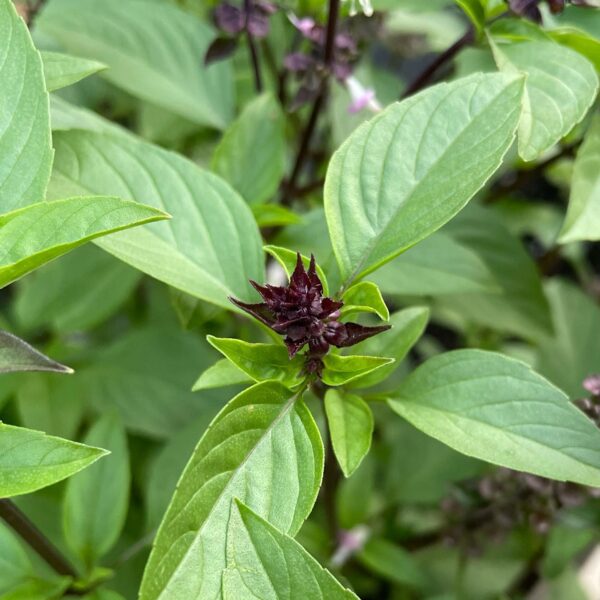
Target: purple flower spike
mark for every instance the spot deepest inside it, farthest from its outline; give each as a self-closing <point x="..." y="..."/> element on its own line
<point x="304" y="316"/>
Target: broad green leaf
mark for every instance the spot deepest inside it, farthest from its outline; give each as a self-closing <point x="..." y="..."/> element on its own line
<point x="288" y="258"/>
<point x="30" y="460"/>
<point x="407" y="327"/>
<point x="340" y="370"/>
<point x="251" y="154"/>
<point x="580" y="41"/>
<point x="65" y="116"/>
<point x="62" y="70"/>
<point x="17" y="355"/>
<point x="438" y="265"/>
<point x="91" y="532"/>
<point x="261" y="362"/>
<point x="560" y="88"/>
<point x="155" y="54"/>
<point x="474" y="10"/>
<point x="212" y="245"/>
<point x="497" y="409"/>
<point x="64" y="296"/>
<point x="365" y="296"/>
<point x="263" y="448"/>
<point x="146" y="375"/>
<point x="583" y="216"/>
<point x="351" y="428"/>
<point x="402" y="175"/>
<point x="393" y="563"/>
<point x="571" y="354"/>
<point x="221" y="374"/>
<point x="37" y="234"/>
<point x="25" y="146"/>
<point x="274" y="215"/>
<point x="264" y="563"/>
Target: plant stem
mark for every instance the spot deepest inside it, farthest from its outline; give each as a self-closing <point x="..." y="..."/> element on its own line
<point x="425" y="77"/>
<point x="253" y="51"/>
<point x="328" y="58"/>
<point x="16" y="519"/>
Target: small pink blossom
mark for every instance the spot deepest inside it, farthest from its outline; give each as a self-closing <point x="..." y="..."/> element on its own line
<point x="592" y="384"/>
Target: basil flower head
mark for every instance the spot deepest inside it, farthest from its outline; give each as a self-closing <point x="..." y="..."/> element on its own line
<point x="305" y="317"/>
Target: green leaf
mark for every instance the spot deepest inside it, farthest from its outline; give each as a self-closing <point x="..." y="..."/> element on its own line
<point x="212" y="245"/>
<point x="583" y="216"/>
<point x="31" y="460"/>
<point x="25" y="146"/>
<point x="96" y="500"/>
<point x="438" y="265"/>
<point x="393" y="563"/>
<point x="155" y="54"/>
<point x="62" y="294"/>
<point x="17" y="355"/>
<point x="251" y="154"/>
<point x="263" y="448"/>
<point x="351" y="428"/>
<point x="221" y="374"/>
<point x="274" y="215"/>
<point x="571" y="354"/>
<point x="62" y="70"/>
<point x="340" y="370"/>
<point x="39" y="233"/>
<point x="560" y="88"/>
<point x="264" y="563"/>
<point x="407" y="327"/>
<point x="287" y="259"/>
<point x="474" y="10"/>
<point x="580" y="41"/>
<point x="365" y="296"/>
<point x="261" y="362"/>
<point x="497" y="409"/>
<point x="146" y="375"/>
<point x="402" y="175"/>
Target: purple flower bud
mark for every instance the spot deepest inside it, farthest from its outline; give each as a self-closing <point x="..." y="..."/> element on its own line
<point x="592" y="384"/>
<point x="229" y="18"/>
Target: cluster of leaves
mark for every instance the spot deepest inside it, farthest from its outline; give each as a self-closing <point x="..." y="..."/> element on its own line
<point x="418" y="407"/>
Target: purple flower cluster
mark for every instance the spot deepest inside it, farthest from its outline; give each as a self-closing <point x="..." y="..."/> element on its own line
<point x="530" y="9"/>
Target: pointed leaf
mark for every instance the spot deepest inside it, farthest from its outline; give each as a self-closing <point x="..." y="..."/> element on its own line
<point x="221" y="374"/>
<point x="36" y="234"/>
<point x="62" y="70"/>
<point x="397" y="178"/>
<point x="267" y="564"/>
<point x="212" y="245"/>
<point x="31" y="460"/>
<point x="497" y="409"/>
<point x="351" y="428"/>
<point x="17" y="355"/>
<point x="263" y="448"/>
<point x="340" y="370"/>
<point x="365" y="296"/>
<point x="25" y="147"/>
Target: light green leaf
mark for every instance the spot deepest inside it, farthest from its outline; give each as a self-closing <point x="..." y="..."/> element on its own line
<point x="146" y="375"/>
<point x="261" y="362"/>
<point x="155" y="54"/>
<point x="288" y="258"/>
<point x="221" y="374"/>
<point x="39" y="233"/>
<point x="407" y="327"/>
<point x="438" y="265"/>
<point x="351" y="428"/>
<point x="251" y="154"/>
<point x="497" y="409"/>
<point x="212" y="245"/>
<point x="340" y="370"/>
<point x="580" y="41"/>
<point x="63" y="295"/>
<point x="65" y="116"/>
<point x="274" y="215"/>
<point x="474" y="10"/>
<point x="17" y="355"/>
<point x="96" y="500"/>
<point x="365" y="296"/>
<point x="25" y="146"/>
<point x="62" y="70"/>
<point x="560" y="88"/>
<point x="31" y="460"/>
<point x="263" y="448"/>
<point x="402" y="175"/>
<point x="264" y="563"/>
<point x="583" y="216"/>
